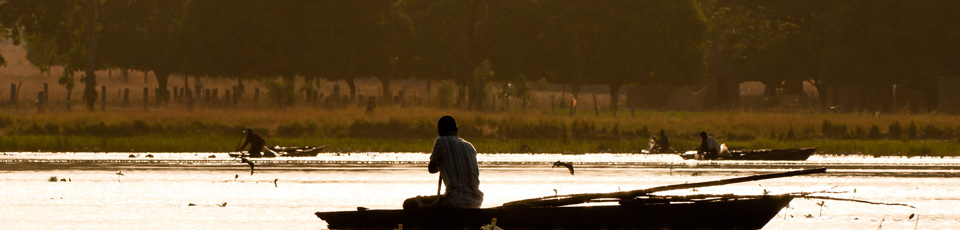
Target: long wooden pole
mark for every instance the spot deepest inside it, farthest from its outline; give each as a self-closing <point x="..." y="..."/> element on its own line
<point x="570" y="199"/>
<point x="439" y="184"/>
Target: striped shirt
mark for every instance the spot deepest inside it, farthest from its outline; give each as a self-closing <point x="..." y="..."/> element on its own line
<point x="457" y="162"/>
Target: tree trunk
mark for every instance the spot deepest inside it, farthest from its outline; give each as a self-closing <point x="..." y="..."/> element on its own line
<point x="821" y="93"/>
<point x="386" y="92"/>
<point x="878" y="96"/>
<point x="793" y="87"/>
<point x="770" y="90"/>
<point x="240" y="91"/>
<point x="461" y="94"/>
<point x="69" y="92"/>
<point x="163" y="78"/>
<point x="575" y="97"/>
<point x="615" y="97"/>
<point x="353" y="88"/>
<point x="478" y="95"/>
<point x="90" y="80"/>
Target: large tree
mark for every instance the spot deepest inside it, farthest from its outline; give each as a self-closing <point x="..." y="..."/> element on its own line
<point x="68" y="30"/>
<point x="621" y="42"/>
<point x="450" y="41"/>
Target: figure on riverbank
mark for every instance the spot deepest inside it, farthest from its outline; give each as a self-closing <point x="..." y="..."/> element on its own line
<point x="661" y="145"/>
<point x="456" y="161"/>
<point x="256" y="144"/>
<point x="709" y="147"/>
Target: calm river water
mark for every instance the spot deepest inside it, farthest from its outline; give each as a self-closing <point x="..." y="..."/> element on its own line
<point x="157" y="193"/>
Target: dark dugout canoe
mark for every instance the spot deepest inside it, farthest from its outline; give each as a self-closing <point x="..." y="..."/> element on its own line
<point x="800" y="154"/>
<point x="645" y="212"/>
<point x="277" y="151"/>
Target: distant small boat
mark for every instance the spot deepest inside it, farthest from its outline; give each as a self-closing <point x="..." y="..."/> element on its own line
<point x="277" y="151"/>
<point x="799" y="154"/>
<point x="305" y="151"/>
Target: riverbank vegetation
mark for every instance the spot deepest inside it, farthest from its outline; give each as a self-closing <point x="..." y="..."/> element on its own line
<point x="520" y="76"/>
<point x="412" y="129"/>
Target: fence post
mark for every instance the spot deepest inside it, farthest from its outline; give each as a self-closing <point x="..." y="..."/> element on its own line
<point x="553" y="104"/>
<point x="46" y="93"/>
<point x="146" y="98"/>
<point x="40" y="102"/>
<point x="189" y="98"/>
<point x="13" y="94"/>
<point x="126" y="96"/>
<point x="199" y="91"/>
<point x="236" y="93"/>
<point x="595" y="105"/>
<point x="103" y="98"/>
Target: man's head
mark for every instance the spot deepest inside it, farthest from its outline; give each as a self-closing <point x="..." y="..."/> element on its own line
<point x="661" y="132"/>
<point x="249" y="131"/>
<point x="446" y="126"/>
<point x="703" y="134"/>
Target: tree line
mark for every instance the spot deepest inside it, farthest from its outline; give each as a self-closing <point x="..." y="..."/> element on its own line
<point x="862" y="46"/>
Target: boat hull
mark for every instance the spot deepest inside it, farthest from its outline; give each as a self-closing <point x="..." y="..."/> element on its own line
<point x="736" y="213"/>
<point x="765" y="155"/>
<point x="277" y="151"/>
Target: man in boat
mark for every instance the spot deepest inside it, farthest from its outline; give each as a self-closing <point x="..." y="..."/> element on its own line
<point x="456" y="161"/>
<point x="256" y="144"/>
<point x="709" y="147"/>
<point x="663" y="144"/>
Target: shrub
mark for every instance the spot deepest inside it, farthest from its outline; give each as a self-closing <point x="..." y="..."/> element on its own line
<point x="912" y="131"/>
<point x="932" y="132"/>
<point x="830" y="130"/>
<point x="922" y="150"/>
<point x="859" y="133"/>
<point x="874" y="132"/>
<point x="140" y="127"/>
<point x="895" y="131"/>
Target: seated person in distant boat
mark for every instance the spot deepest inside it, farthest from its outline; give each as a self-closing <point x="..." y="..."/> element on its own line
<point x="256" y="144"/>
<point x="661" y="145"/>
<point x="456" y="160"/>
<point x="709" y="147"/>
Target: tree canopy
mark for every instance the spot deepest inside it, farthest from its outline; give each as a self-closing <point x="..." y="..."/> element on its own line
<point x="860" y="43"/>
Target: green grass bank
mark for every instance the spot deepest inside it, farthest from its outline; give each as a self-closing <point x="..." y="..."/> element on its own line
<point x="412" y="129"/>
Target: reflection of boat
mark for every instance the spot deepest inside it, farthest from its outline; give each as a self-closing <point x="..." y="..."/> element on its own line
<point x="275" y="151"/>
<point x="647" y="212"/>
<point x="636" y="209"/>
<point x="761" y="154"/>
